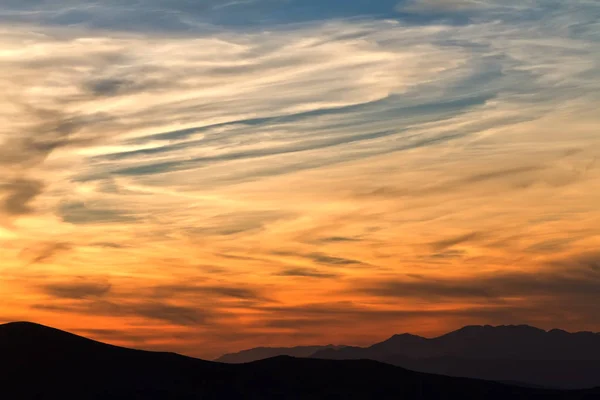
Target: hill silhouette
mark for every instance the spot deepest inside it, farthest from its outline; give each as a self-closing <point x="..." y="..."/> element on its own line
<point x="38" y="362"/>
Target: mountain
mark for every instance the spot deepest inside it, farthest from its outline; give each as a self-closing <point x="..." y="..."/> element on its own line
<point x="518" y="353"/>
<point x="260" y="353"/>
<point x="38" y="362"/>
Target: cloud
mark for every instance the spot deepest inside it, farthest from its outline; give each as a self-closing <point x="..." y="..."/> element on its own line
<point x="338" y="239"/>
<point x="169" y="313"/>
<point x="43" y="252"/>
<point x="156" y="311"/>
<point x="164" y="167"/>
<point x="24" y="151"/>
<point x="289" y="114"/>
<point x="303" y="323"/>
<point x="321" y="258"/>
<point x="49" y="130"/>
<point x="77" y="290"/>
<point x="499" y="174"/>
<point x="186" y="134"/>
<point x="446" y="243"/>
<point x="429" y="289"/>
<point x="447" y="254"/>
<point x="306" y="272"/>
<point x="178" y="304"/>
<point x="211" y="293"/>
<point x="552" y="245"/>
<point x="239" y="222"/>
<point x="79" y="213"/>
<point x="177" y="16"/>
<point x="110" y="245"/>
<point x="584" y="261"/>
<point x="441" y="5"/>
<point x="120" y="335"/>
<point x="492" y="288"/>
<point x="107" y="87"/>
<point x="381" y="322"/>
<point x="19" y="194"/>
<point x="521" y="176"/>
<point x="348" y="313"/>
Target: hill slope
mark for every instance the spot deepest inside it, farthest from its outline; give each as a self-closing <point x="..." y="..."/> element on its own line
<point x="43" y="363"/>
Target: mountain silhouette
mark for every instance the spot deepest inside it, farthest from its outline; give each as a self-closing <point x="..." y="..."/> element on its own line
<point x="38" y="362"/>
<point x="514" y="342"/>
<point x="260" y="353"/>
<point x="517" y="353"/>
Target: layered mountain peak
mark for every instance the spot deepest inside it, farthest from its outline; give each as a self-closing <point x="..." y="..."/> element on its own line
<point x="520" y="328"/>
<point x="403" y="339"/>
<point x="404" y="336"/>
<point x="486" y="329"/>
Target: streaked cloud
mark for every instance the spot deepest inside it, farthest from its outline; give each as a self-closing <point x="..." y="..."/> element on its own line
<point x="306" y="272"/>
<point x="42" y="252"/>
<point x="450" y="242"/>
<point x="442" y="5"/>
<point x="79" y="213"/>
<point x="18" y="194"/>
<point x="77" y="290"/>
<point x="493" y="287"/>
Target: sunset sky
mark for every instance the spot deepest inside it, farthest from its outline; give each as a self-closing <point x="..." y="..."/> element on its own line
<point x="203" y="176"/>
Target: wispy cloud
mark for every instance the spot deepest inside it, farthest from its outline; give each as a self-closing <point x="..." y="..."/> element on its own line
<point x="77" y="290"/>
<point x="453" y="241"/>
<point x="306" y="272"/>
<point x="442" y="5"/>
<point x="573" y="282"/>
<point x="154" y="311"/>
<point x="19" y="194"/>
<point x="42" y="252"/>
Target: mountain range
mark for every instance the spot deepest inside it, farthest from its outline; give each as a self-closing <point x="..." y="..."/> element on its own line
<point x="39" y="362"/>
<point x="508" y="353"/>
<point x="260" y="353"/>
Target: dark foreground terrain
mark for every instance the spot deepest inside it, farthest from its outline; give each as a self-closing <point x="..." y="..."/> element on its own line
<point x="38" y="362"/>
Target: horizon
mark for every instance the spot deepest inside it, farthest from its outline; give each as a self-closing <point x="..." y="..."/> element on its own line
<point x="210" y="175"/>
<point x="339" y="345"/>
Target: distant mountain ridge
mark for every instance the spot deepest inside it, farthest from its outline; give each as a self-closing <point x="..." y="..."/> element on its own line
<point x="37" y="362"/>
<point x="517" y="353"/>
<point x="261" y="353"/>
<point x="515" y="342"/>
<point x="473" y="341"/>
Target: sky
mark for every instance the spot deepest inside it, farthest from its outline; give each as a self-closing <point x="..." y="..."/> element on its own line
<point x="204" y="176"/>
